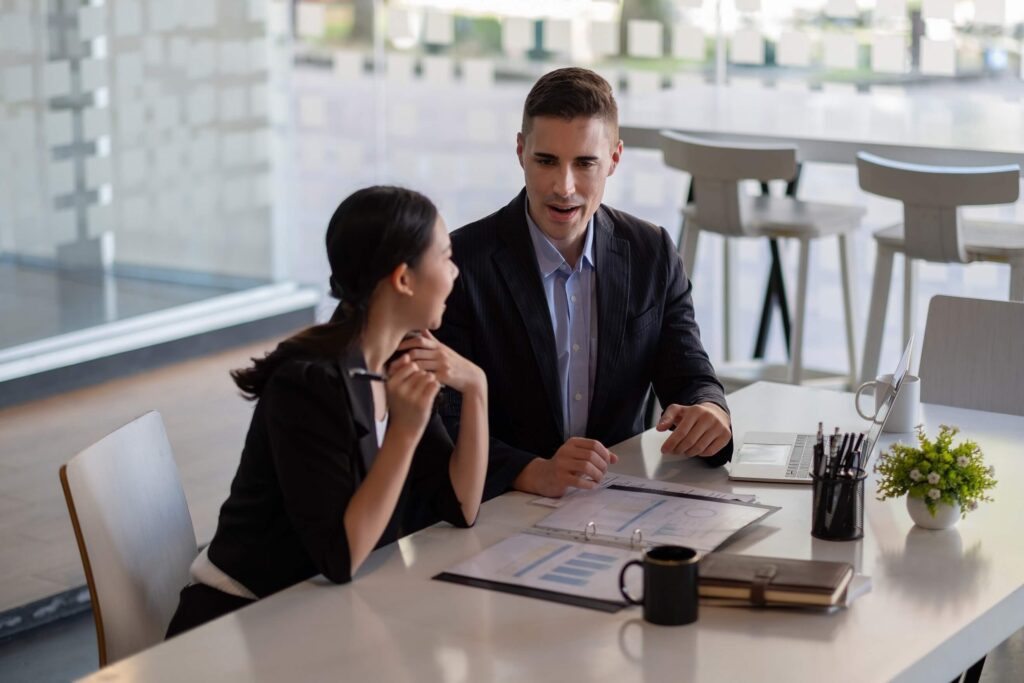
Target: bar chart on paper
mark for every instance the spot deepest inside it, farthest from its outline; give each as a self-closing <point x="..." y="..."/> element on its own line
<point x="553" y="564"/>
<point x="580" y="569"/>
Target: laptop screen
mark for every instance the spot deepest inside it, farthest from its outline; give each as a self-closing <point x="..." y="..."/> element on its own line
<point x="882" y="414"/>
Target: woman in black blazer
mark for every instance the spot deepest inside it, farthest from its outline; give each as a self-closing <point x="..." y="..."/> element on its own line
<point x="338" y="460"/>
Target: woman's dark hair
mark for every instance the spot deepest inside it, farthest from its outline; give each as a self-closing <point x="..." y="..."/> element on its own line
<point x="371" y="233"/>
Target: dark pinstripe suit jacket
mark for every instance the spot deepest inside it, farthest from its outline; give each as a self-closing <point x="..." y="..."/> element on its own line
<point x="497" y="316"/>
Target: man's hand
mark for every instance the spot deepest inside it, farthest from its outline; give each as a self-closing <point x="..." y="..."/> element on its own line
<point x="701" y="430"/>
<point x="579" y="462"/>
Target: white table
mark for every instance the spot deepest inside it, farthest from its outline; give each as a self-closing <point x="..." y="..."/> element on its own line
<point x="834" y="126"/>
<point x="940" y="600"/>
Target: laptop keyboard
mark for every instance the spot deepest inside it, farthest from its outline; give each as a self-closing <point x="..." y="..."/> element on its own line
<point x="800" y="460"/>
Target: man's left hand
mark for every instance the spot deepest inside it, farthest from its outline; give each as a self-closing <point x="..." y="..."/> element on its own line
<point x="701" y="430"/>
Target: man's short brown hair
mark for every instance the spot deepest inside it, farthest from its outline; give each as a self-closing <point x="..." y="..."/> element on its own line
<point x="569" y="93"/>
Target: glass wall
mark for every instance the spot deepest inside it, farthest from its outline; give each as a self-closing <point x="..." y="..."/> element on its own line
<point x="205" y="143"/>
<point x="428" y="93"/>
<point x="134" y="149"/>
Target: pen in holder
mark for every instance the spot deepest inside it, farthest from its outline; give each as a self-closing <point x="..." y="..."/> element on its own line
<point x="838" y="513"/>
<point x="837" y="476"/>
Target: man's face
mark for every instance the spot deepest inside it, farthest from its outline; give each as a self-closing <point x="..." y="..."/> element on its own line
<point x="566" y="164"/>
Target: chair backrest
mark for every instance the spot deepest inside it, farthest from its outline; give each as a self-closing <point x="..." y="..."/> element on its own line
<point x="717" y="169"/>
<point x="134" y="534"/>
<point x="972" y="356"/>
<point x="931" y="197"/>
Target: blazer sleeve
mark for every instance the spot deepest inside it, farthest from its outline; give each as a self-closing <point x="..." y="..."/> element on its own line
<point x="313" y="445"/>
<point x="504" y="463"/>
<point x="432" y="497"/>
<point x="684" y="371"/>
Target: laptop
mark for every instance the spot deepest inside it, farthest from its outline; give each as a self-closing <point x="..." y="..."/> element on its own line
<point x="787" y="458"/>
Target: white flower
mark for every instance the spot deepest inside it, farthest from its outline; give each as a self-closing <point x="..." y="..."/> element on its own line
<point x="933" y="478"/>
<point x="934" y="494"/>
<point x="962" y="461"/>
<point x="915" y="474"/>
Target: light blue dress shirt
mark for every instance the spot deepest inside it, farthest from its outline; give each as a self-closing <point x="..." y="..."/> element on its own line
<point x="571" y="294"/>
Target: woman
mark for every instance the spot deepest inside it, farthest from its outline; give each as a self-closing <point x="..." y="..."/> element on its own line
<point x="337" y="460"/>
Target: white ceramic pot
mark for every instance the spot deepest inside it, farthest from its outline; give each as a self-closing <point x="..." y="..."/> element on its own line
<point x="945" y="515"/>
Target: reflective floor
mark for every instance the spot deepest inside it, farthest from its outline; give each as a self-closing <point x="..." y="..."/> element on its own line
<point x="37" y="303"/>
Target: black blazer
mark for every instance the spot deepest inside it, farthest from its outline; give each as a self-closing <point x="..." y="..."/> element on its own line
<point x="497" y="316"/>
<point x="309" y="447"/>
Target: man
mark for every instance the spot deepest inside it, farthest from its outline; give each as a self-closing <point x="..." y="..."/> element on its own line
<point x="574" y="310"/>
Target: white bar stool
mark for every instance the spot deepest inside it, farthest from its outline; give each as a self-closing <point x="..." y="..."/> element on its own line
<point x="720" y="207"/>
<point x="933" y="230"/>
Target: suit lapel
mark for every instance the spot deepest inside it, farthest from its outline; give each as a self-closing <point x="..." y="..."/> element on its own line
<point x="611" y="265"/>
<point x="516" y="262"/>
<point x="360" y="401"/>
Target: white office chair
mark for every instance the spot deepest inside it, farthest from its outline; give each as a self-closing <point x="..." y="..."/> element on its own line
<point x="933" y="230"/>
<point x="973" y="356"/>
<point x="719" y="206"/>
<point x="134" y="534"/>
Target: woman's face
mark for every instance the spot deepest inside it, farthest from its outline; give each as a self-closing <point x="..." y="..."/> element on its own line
<point x="432" y="279"/>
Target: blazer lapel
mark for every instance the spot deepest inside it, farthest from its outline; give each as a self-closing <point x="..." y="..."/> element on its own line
<point x="360" y="401"/>
<point x="611" y="265"/>
<point x="517" y="264"/>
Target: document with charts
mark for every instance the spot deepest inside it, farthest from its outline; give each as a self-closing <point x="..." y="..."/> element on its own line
<point x="548" y="567"/>
<point x="644" y="517"/>
<point x="574" y="555"/>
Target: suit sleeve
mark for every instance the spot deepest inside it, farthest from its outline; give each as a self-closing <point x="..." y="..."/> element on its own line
<point x="432" y="497"/>
<point x="504" y="463"/>
<point x="312" y="445"/>
<point x="684" y="372"/>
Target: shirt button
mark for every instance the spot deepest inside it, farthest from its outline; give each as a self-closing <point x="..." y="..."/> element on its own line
<point x="575" y="347"/>
<point x="574" y="298"/>
<point x="579" y="396"/>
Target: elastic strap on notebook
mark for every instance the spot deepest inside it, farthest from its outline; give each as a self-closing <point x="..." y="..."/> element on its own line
<point x="763" y="576"/>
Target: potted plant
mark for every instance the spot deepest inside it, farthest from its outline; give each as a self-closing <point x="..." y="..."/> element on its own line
<point x="942" y="482"/>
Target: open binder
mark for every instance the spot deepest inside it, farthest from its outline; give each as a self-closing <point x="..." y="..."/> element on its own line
<point x="574" y="555"/>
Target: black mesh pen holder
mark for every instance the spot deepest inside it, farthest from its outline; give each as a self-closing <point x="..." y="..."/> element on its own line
<point x="838" y="513"/>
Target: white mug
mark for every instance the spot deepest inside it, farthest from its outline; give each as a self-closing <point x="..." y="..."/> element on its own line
<point x="904" y="412"/>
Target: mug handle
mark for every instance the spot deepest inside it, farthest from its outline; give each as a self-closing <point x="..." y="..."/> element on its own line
<point x="856" y="398"/>
<point x="622" y="583"/>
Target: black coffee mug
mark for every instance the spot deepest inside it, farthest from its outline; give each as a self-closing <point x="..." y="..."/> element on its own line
<point x="670" y="585"/>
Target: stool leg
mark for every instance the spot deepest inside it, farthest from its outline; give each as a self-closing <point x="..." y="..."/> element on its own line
<point x="1017" y="281"/>
<point x="973" y="675"/>
<point x="909" y="280"/>
<point x="688" y="247"/>
<point x="846" y="266"/>
<point x="876" y="314"/>
<point x="727" y="297"/>
<point x="797" y="351"/>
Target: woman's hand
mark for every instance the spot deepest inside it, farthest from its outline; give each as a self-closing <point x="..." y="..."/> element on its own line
<point x="450" y="368"/>
<point x="411" y="391"/>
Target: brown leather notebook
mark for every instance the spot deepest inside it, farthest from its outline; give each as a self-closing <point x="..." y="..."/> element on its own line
<point x="773" y="580"/>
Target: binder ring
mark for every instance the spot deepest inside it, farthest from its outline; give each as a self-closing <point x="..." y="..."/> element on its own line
<point x="589" y="531"/>
<point x="637" y="539"/>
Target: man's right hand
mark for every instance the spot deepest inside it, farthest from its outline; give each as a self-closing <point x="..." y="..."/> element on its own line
<point x="579" y="463"/>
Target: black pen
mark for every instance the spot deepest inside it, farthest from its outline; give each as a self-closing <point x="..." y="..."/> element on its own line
<point x="819" y="450"/>
<point x="361" y="373"/>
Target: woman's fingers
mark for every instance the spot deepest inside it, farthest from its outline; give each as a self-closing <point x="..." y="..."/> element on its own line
<point x="401" y="369"/>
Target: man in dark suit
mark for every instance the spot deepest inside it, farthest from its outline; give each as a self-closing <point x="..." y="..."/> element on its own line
<point x="574" y="310"/>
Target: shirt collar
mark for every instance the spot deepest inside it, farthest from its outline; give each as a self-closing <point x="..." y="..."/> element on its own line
<point x="548" y="257"/>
